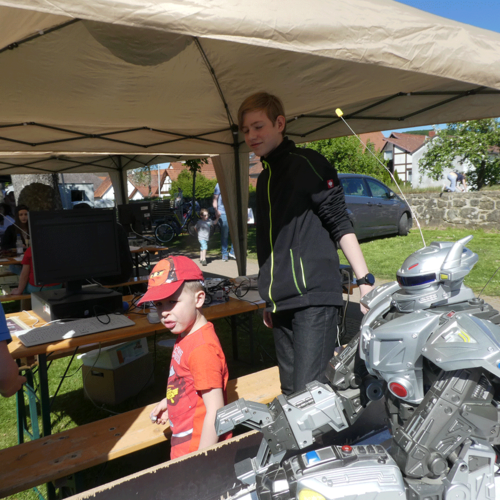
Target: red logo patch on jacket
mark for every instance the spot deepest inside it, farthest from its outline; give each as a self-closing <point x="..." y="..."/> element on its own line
<point x="330" y="183"/>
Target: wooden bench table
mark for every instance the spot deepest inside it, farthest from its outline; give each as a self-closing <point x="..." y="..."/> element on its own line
<point x="46" y="459"/>
<point x="69" y="347"/>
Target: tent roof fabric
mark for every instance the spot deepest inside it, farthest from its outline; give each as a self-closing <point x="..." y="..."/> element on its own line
<point x="169" y="76"/>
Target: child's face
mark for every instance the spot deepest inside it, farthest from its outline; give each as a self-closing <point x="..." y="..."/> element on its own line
<point x="204" y="215"/>
<point x="23" y="216"/>
<point x="260" y="134"/>
<point x="178" y="313"/>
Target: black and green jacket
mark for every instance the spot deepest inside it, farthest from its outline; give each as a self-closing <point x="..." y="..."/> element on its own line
<point x="301" y="212"/>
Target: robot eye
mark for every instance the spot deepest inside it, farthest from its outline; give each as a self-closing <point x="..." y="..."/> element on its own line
<point x="422" y="279"/>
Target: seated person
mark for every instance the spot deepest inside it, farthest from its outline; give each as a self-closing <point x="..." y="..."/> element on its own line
<point x="126" y="262"/>
<point x="6" y="219"/>
<point x="10" y="380"/>
<point x="20" y="227"/>
<point x="27" y="277"/>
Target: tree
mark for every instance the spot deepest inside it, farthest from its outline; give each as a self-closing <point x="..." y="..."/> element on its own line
<point x="470" y="143"/>
<point x="204" y="187"/>
<point x="142" y="175"/>
<point x="37" y="198"/>
<point x="347" y="155"/>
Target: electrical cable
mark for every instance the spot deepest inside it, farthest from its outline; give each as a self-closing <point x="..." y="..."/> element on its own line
<point x="340" y="114"/>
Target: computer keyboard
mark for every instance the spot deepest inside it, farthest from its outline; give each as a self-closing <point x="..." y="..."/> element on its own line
<point x="55" y="332"/>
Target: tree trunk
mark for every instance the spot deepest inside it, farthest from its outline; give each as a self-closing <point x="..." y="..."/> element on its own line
<point x="21" y="181"/>
<point x="194" y="192"/>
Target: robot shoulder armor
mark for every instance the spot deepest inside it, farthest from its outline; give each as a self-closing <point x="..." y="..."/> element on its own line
<point x="465" y="341"/>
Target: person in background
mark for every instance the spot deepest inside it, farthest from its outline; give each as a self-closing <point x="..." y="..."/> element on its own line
<point x="19" y="228"/>
<point x="27" y="277"/>
<point x="10" y="380"/>
<point x="198" y="374"/>
<point x="204" y="230"/>
<point x="456" y="179"/>
<point x="301" y="214"/>
<point x="6" y="219"/>
<point x="220" y="212"/>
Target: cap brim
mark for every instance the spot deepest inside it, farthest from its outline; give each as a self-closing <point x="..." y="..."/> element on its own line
<point x="160" y="292"/>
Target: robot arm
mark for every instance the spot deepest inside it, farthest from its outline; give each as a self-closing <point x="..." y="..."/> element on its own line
<point x="293" y="422"/>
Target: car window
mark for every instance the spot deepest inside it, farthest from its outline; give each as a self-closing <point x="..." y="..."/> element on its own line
<point x="354" y="187"/>
<point x="378" y="190"/>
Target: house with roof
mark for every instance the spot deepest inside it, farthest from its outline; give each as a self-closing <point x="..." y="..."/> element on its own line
<point x="400" y="150"/>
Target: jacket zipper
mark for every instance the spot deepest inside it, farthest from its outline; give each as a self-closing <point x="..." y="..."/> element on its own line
<point x="266" y="164"/>
<point x="303" y="274"/>
<point x="293" y="272"/>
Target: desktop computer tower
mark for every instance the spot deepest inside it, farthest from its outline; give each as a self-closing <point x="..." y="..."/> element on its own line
<point x="53" y="304"/>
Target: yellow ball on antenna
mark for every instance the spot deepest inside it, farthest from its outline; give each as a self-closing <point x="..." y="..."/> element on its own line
<point x="339" y="112"/>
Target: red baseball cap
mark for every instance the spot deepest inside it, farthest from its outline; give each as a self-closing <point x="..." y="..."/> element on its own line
<point x="168" y="276"/>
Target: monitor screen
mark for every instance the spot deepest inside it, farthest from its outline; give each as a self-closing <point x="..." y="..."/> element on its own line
<point x="71" y="245"/>
<point x="136" y="215"/>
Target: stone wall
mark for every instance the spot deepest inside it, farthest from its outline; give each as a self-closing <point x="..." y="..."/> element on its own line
<point x="472" y="210"/>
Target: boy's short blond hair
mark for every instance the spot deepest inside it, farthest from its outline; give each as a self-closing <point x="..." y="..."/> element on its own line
<point x="203" y="211"/>
<point x="194" y="286"/>
<point x="270" y="104"/>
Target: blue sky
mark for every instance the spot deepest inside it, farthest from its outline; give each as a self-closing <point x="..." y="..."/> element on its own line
<point x="481" y="13"/>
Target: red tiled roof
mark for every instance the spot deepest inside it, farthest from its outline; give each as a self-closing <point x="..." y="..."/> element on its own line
<point x="103" y="187"/>
<point x="377" y="138"/>
<point x="407" y="142"/>
<point x="207" y="170"/>
<point x="144" y="188"/>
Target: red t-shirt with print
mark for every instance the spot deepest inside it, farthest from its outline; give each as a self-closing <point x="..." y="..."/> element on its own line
<point x="198" y="364"/>
<point x="28" y="261"/>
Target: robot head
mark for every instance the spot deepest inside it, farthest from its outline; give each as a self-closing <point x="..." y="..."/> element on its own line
<point x="445" y="263"/>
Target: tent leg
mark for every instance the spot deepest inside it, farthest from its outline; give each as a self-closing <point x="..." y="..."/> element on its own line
<point x="242" y="260"/>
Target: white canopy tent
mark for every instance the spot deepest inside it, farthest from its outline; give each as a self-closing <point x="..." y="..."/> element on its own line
<point x="168" y="76"/>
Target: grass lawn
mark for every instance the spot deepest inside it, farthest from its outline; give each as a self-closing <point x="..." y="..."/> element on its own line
<point x="384" y="256"/>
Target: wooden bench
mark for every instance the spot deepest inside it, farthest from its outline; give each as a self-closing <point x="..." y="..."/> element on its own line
<point x="49" y="458"/>
<point x="132" y="281"/>
<point x="10" y="297"/>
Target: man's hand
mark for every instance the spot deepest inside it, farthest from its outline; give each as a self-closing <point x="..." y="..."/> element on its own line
<point x="268" y="319"/>
<point x="10" y="380"/>
<point x="160" y="413"/>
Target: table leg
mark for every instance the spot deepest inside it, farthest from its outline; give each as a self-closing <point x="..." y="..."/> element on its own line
<point x="136" y="258"/>
<point x="44" y="394"/>
<point x="21" y="415"/>
<point x="234" y="336"/>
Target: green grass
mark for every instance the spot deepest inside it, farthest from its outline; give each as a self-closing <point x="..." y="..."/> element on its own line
<point x="384" y="256"/>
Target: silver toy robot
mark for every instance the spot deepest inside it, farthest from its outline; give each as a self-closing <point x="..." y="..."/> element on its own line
<point x="433" y="350"/>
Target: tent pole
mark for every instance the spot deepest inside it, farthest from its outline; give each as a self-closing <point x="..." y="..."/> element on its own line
<point x="242" y="258"/>
<point x="123" y="188"/>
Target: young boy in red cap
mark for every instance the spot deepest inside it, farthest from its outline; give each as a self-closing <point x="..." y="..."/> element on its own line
<point x="198" y="374"/>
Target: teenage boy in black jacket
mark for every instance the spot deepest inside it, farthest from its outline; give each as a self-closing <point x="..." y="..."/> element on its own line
<point x="301" y="213"/>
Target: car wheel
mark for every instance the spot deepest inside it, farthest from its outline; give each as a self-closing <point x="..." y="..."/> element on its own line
<point x="404" y="225"/>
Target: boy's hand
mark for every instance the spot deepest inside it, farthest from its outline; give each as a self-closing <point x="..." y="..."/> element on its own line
<point x="268" y="319"/>
<point x="159" y="415"/>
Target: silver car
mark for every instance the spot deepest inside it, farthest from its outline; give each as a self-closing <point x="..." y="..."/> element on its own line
<point x="373" y="208"/>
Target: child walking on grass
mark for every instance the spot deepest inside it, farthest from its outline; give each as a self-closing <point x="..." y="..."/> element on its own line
<point x="204" y="228"/>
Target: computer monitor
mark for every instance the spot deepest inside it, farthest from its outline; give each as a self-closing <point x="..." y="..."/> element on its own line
<point x="136" y="216"/>
<point x="71" y="246"/>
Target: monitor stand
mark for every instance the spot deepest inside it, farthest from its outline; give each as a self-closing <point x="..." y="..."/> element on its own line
<point x="75" y="288"/>
<point x="63" y="304"/>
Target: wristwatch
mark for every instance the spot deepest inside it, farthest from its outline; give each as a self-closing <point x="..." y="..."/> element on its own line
<point x="369" y="279"/>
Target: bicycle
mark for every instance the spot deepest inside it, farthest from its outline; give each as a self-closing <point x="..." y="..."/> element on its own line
<point x="173" y="226"/>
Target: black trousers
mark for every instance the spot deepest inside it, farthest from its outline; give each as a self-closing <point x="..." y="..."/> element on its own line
<point x="305" y="340"/>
